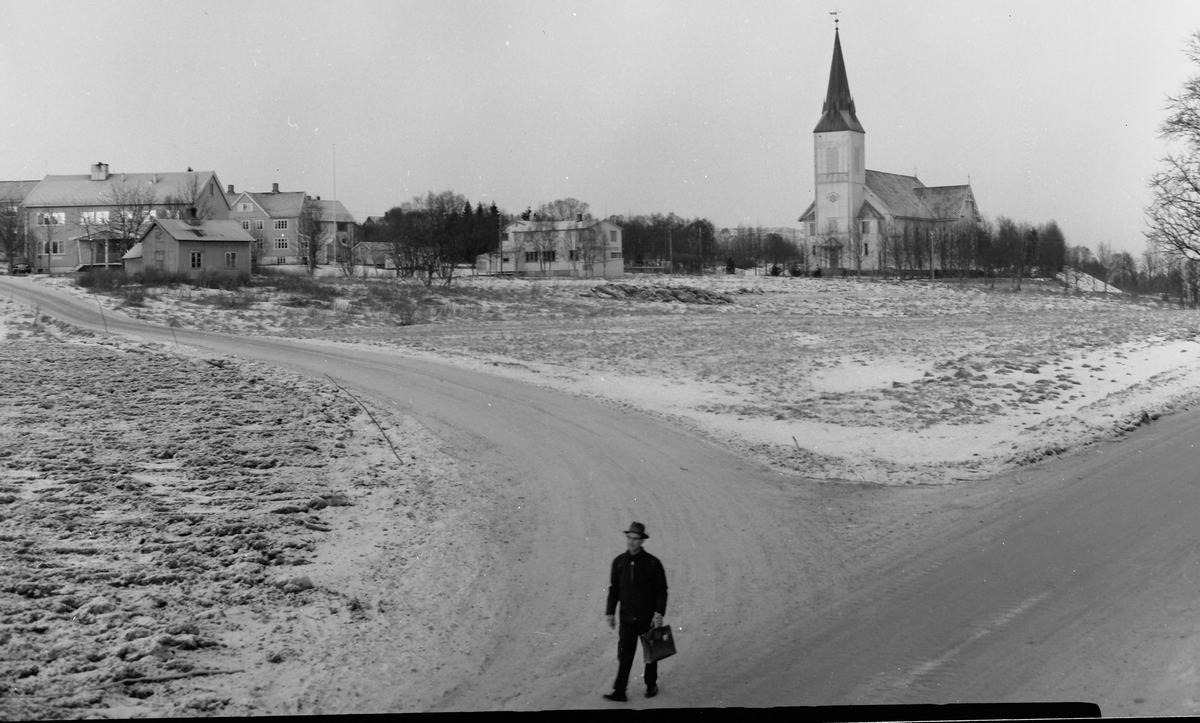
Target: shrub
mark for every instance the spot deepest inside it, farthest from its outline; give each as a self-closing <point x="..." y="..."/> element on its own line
<point x="158" y="277"/>
<point x="299" y="285"/>
<point x="134" y="296"/>
<point x="101" y="279"/>
<point x="223" y="280"/>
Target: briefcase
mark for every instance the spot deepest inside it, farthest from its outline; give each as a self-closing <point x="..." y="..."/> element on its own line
<point x="657" y="643"/>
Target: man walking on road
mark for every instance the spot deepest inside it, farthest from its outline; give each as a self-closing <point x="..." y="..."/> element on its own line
<point x="639" y="583"/>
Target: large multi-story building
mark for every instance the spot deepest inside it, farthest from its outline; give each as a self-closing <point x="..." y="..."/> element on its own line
<point x="75" y="222"/>
<point x="274" y="219"/>
<point x="583" y="248"/>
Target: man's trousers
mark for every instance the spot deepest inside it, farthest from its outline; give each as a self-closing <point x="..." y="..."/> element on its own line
<point x="627" y="647"/>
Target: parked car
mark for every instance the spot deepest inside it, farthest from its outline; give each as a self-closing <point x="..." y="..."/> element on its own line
<point x="18" y="266"/>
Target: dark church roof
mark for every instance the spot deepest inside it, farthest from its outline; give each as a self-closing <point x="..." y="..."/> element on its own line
<point x="838" y="112"/>
<point x="907" y="197"/>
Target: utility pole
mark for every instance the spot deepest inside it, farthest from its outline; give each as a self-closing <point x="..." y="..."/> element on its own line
<point x="670" y="255"/>
<point x="930" y="257"/>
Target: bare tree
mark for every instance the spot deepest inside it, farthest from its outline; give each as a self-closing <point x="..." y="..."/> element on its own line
<point x="49" y="245"/>
<point x="311" y="233"/>
<point x="856" y="246"/>
<point x="1104" y="256"/>
<point x="132" y="205"/>
<point x="12" y="228"/>
<point x="591" y="248"/>
<point x="1173" y="216"/>
<point x="564" y="209"/>
<point x="187" y="199"/>
<point x="544" y="241"/>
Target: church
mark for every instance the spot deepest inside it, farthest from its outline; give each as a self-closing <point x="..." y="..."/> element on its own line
<point x="857" y="209"/>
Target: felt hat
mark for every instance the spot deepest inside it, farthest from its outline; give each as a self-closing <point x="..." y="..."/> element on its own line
<point x="638" y="529"/>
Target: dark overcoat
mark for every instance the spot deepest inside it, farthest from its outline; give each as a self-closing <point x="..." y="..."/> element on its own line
<point x="639" y="583"/>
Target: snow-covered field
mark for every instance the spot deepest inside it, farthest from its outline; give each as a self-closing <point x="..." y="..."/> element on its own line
<point x="884" y="382"/>
<point x="163" y="516"/>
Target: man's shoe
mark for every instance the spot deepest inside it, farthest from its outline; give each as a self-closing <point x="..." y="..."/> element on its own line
<point x="652" y="691"/>
<point x="616" y="697"/>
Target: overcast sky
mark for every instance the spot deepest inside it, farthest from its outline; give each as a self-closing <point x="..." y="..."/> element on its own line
<point x="700" y="108"/>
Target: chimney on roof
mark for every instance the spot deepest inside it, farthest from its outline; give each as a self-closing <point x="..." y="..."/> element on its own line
<point x="231" y="189"/>
<point x="579" y="218"/>
<point x="191" y="219"/>
<point x="99" y="171"/>
<point x="274" y="188"/>
<point x="318" y="198"/>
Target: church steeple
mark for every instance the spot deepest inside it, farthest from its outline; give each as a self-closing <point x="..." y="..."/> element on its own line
<point x="838" y="112"/>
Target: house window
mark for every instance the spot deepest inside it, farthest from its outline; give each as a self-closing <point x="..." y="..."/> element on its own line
<point x="245" y="206"/>
<point x="530" y="257"/>
<point x="341" y="226"/>
<point x="94" y="217"/>
<point x="52" y="218"/>
<point x="865" y="227"/>
<point x="612" y="238"/>
<point x="281" y="259"/>
<point x="197" y="259"/>
<point x="504" y="260"/>
<point x="573" y="255"/>
<point x="159" y="259"/>
<point x="258" y="244"/>
<point x="258" y="225"/>
<point x="549" y="256"/>
<point x="866" y="249"/>
<point x="281" y="223"/>
<point x="231" y="259"/>
<point x="812" y="228"/>
<point x="53" y="247"/>
<point x="615" y="255"/>
<point x="833" y="225"/>
<point x="246" y="225"/>
<point x="281" y="243"/>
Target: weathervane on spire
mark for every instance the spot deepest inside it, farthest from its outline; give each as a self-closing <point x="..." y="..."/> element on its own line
<point x="834" y="13"/>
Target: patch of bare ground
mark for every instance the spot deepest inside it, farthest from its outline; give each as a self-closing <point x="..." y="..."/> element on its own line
<point x="182" y="536"/>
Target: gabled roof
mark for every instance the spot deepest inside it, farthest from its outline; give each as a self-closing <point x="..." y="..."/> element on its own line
<point x="203" y="230"/>
<point x="897" y="194"/>
<point x="907" y="197"/>
<point x="810" y="213"/>
<point x="330" y="208"/>
<point x="15" y="191"/>
<point x="284" y="204"/>
<point x="946" y="201"/>
<point x="522" y="225"/>
<point x="837" y="114"/>
<point x="81" y="190"/>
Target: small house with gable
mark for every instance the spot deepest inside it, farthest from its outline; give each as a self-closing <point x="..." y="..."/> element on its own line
<point x="191" y="247"/>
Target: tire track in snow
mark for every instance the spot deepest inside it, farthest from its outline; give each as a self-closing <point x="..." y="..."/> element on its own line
<point x="933" y="672"/>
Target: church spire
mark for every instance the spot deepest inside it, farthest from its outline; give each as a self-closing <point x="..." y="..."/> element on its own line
<point x="838" y="112"/>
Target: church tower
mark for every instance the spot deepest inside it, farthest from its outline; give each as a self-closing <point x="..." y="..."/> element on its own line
<point x="839" y="162"/>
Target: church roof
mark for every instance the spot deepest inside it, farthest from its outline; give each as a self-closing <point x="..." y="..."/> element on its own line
<point x="946" y="201"/>
<point x="907" y="197"/>
<point x="838" y="112"/>
<point x="898" y="194"/>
